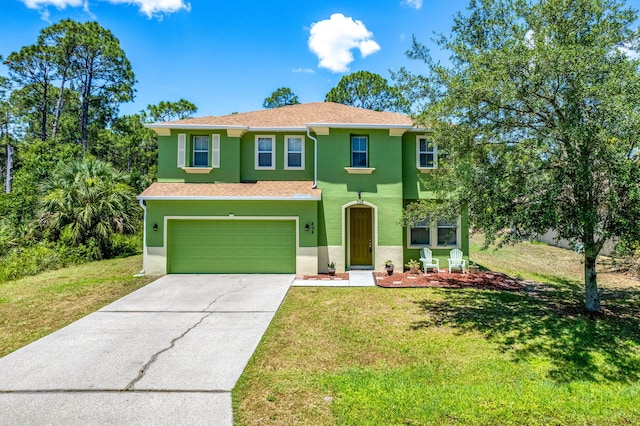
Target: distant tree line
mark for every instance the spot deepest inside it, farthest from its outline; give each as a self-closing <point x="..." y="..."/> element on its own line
<point x="70" y="166"/>
<point x="361" y="89"/>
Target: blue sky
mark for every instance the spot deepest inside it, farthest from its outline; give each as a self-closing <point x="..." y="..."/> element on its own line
<point x="228" y="56"/>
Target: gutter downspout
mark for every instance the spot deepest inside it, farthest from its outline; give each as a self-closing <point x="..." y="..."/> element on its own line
<point x="144" y="239"/>
<point x="315" y="158"/>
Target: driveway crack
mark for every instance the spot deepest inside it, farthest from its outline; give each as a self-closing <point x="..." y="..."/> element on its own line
<point x="155" y="356"/>
<point x="172" y="344"/>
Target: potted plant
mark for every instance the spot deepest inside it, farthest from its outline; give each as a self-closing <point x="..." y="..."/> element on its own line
<point x="413" y="265"/>
<point x="473" y="268"/>
<point x="332" y="268"/>
<point x="388" y="265"/>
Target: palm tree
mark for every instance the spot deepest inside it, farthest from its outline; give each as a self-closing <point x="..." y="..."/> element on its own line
<point x="87" y="203"/>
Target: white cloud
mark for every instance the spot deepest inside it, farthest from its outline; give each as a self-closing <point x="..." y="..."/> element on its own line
<point x="303" y="70"/>
<point x="148" y="7"/>
<point x="153" y="7"/>
<point x="60" y="4"/>
<point x="416" y="4"/>
<point x="332" y="40"/>
<point x="528" y="39"/>
<point x="629" y="50"/>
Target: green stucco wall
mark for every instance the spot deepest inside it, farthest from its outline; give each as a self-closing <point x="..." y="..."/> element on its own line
<point x="168" y="170"/>
<point x="247" y="156"/>
<point x="382" y="188"/>
<point x="237" y="159"/>
<point x="413" y="186"/>
<point x="157" y="210"/>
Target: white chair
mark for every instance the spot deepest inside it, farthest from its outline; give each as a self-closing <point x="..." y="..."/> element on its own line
<point x="428" y="262"/>
<point x="456" y="261"/>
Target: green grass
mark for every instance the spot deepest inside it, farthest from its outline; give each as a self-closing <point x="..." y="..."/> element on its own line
<point x="35" y="306"/>
<point x="452" y="356"/>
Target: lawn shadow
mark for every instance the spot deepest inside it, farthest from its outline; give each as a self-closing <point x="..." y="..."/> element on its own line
<point x="549" y="322"/>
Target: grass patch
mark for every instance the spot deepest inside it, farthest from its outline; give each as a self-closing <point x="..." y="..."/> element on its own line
<point x="372" y="356"/>
<point x="33" y="307"/>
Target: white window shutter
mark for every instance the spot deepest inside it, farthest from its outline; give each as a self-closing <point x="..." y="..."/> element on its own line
<point x="215" y="150"/>
<point x="182" y="149"/>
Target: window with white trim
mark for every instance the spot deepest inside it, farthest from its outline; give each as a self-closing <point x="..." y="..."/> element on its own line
<point x="447" y="233"/>
<point x="294" y="152"/>
<point x="427" y="153"/>
<point x="265" y="153"/>
<point x="359" y="157"/>
<point x="442" y="233"/>
<point x="420" y="234"/>
<point x="200" y="151"/>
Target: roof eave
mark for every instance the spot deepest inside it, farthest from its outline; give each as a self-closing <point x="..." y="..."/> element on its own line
<point x="278" y="129"/>
<point x="225" y="198"/>
<point x="361" y="126"/>
<point x="194" y="126"/>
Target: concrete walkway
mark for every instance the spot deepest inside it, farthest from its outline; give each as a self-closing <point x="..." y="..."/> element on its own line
<point x="167" y="354"/>
<point x="356" y="279"/>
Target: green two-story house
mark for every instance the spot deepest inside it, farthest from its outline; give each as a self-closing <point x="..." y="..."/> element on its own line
<point x="290" y="189"/>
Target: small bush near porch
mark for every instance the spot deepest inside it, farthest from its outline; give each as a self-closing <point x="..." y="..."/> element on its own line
<point x="452" y="356"/>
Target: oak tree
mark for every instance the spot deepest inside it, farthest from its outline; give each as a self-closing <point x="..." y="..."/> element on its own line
<point x="538" y="114"/>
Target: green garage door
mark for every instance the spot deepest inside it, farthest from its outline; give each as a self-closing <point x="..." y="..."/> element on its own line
<point x="231" y="246"/>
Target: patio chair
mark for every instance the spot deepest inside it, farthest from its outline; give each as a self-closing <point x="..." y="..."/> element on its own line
<point x="456" y="261"/>
<point x="428" y="262"/>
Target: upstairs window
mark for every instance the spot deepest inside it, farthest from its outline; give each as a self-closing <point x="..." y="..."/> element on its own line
<point x="200" y="151"/>
<point x="427" y="153"/>
<point x="294" y="152"/>
<point x="359" y="157"/>
<point x="198" y="154"/>
<point x="265" y="153"/>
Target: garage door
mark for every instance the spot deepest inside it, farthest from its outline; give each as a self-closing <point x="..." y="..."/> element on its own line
<point x="231" y="246"/>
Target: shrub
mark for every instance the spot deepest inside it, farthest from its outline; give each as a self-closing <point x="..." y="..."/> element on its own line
<point x="23" y="261"/>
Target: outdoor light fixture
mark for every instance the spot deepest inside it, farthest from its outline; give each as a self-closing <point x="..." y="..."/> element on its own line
<point x="306" y="227"/>
<point x="155" y="226"/>
<point x="360" y="200"/>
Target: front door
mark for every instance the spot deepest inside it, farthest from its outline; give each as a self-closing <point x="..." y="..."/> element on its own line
<point x="360" y="236"/>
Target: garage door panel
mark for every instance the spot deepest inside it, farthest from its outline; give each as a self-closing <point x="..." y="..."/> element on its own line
<point x="231" y="246"/>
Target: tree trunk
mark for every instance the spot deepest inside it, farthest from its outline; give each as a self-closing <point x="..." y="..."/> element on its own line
<point x="7" y="181"/>
<point x="86" y="94"/>
<point x="45" y="94"/>
<point x="58" y="111"/>
<point x="590" y="281"/>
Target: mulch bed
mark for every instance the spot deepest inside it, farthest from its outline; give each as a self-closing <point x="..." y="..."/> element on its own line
<point x="481" y="280"/>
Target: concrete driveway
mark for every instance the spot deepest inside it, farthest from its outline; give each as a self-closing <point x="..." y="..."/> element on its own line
<point x="169" y="353"/>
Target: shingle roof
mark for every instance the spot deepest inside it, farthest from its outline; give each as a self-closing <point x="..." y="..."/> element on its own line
<point x="259" y="190"/>
<point x="298" y="116"/>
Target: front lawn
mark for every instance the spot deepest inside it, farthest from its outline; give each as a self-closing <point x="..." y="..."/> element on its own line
<point x="35" y="306"/>
<point x="371" y="356"/>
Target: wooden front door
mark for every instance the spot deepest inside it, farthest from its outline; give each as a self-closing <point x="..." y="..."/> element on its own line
<point x="360" y="236"/>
